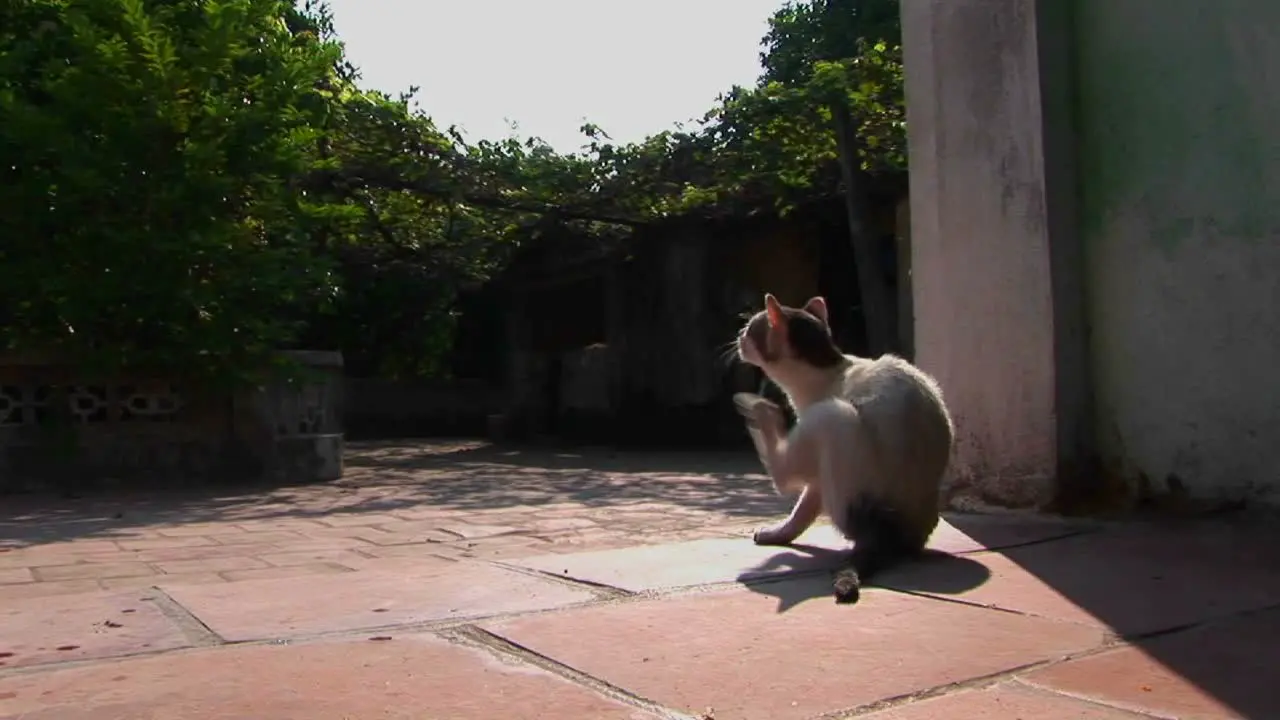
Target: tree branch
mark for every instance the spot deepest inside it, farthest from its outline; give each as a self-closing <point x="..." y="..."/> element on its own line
<point x="369" y="178"/>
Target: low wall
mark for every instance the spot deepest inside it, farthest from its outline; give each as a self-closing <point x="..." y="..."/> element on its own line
<point x="62" y="430"/>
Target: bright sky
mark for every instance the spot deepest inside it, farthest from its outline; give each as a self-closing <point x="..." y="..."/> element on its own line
<point x="632" y="68"/>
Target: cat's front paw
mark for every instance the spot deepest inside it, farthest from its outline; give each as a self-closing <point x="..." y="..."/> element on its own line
<point x="768" y="417"/>
<point x="779" y="535"/>
<point x="761" y="413"/>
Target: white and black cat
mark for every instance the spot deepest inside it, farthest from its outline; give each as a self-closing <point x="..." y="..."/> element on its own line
<point x="870" y="444"/>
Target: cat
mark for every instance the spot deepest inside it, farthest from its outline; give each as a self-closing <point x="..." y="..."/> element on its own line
<point x="869" y="447"/>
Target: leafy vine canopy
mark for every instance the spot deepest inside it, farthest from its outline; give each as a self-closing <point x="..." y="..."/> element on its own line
<point x="190" y="186"/>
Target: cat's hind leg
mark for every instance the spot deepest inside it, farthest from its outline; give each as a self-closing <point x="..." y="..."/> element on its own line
<point x="853" y="479"/>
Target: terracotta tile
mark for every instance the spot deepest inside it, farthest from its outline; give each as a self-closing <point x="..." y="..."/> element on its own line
<point x="274" y="524"/>
<point x="12" y="560"/>
<point x="666" y="508"/>
<point x="474" y="532"/>
<point x="46" y="589"/>
<point x="561" y="547"/>
<point x="13" y="576"/>
<point x="493" y="554"/>
<point x="415" y="677"/>
<point x="72" y="547"/>
<point x="87" y="625"/>
<point x="134" y="583"/>
<point x="1008" y="701"/>
<point x="117" y="556"/>
<point x="1136" y="580"/>
<point x="210" y="565"/>
<point x="195" y="529"/>
<point x="503" y="546"/>
<point x="258" y="609"/>
<point x="966" y="533"/>
<point x="401" y="525"/>
<point x="553" y="525"/>
<point x="423" y="513"/>
<point x="322" y="545"/>
<point x="709" y="533"/>
<point x="697" y="562"/>
<point x="597" y="538"/>
<point x="1223" y="670"/>
<point x="646" y="521"/>
<point x="167" y="543"/>
<point x="352" y="536"/>
<point x="416" y="550"/>
<point x="33" y="558"/>
<point x="290" y="571"/>
<point x="340" y="557"/>
<point x="260" y="538"/>
<point x="422" y="564"/>
<point x="408" y="537"/>
<point x="339" y="520"/>
<point x="736" y="652"/>
<point x="204" y="552"/>
<point x="565" y="509"/>
<point x="85" y="570"/>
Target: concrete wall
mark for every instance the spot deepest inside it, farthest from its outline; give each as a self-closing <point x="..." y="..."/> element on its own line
<point x="1179" y="153"/>
<point x="1109" y="165"/>
<point x="987" y="210"/>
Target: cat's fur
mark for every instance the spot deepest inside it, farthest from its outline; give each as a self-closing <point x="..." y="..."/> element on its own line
<point x="870" y="444"/>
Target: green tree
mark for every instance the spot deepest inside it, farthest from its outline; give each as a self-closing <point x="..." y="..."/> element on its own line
<point x="774" y="144"/>
<point x="399" y="241"/>
<point x="149" y="158"/>
<point x="190" y="186"/>
<point x="844" y="56"/>
<point x="442" y="214"/>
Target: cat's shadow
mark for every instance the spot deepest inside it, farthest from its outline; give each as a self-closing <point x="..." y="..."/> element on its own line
<point x="810" y="576"/>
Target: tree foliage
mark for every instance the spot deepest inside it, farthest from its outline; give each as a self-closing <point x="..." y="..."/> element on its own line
<point x="836" y="50"/>
<point x="758" y="148"/>
<point x="149" y="205"/>
<point x="192" y="185"/>
<point x="773" y="144"/>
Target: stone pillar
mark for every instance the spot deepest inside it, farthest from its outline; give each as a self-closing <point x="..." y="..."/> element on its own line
<point x="906" y="318"/>
<point x="996" y="264"/>
<point x="292" y="424"/>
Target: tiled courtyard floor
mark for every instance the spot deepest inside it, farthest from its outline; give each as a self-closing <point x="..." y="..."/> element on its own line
<point x="455" y="580"/>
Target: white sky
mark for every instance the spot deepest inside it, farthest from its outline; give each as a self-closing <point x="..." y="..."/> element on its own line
<point x="631" y="67"/>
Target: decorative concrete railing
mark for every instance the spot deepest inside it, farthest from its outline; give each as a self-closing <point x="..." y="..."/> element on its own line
<point x="58" y="430"/>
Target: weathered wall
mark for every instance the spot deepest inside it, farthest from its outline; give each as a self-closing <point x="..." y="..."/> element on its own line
<point x="62" y="428"/>
<point x="997" y="309"/>
<point x="655" y="372"/>
<point x="1180" y="215"/>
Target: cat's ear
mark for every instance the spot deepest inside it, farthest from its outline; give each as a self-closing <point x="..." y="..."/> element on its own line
<point x="817" y="307"/>
<point x="773" y="309"/>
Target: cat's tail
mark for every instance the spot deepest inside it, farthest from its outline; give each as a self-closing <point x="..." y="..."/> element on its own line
<point x="880" y="541"/>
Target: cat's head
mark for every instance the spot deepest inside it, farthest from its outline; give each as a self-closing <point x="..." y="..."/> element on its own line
<point x="780" y="337"/>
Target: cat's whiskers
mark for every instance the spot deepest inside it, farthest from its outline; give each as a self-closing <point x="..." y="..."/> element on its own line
<point x="729" y="353"/>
